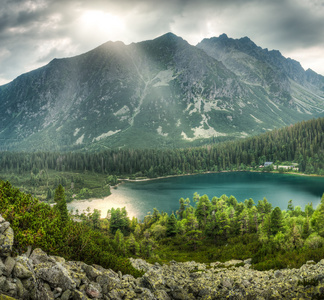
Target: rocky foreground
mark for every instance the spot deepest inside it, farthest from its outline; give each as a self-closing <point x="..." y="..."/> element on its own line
<point x="36" y="275"/>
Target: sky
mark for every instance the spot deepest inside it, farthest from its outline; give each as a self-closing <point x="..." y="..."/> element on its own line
<point x="33" y="32"/>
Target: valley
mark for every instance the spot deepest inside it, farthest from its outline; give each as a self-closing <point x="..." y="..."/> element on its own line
<point x="233" y="116"/>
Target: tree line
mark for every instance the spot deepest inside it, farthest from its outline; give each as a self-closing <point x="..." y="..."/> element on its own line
<point x="302" y="143"/>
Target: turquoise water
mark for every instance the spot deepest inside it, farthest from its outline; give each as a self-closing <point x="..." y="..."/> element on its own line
<point x="164" y="194"/>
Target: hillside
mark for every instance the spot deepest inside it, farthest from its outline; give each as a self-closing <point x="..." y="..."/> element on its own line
<point x="158" y="93"/>
<point x="237" y="248"/>
<point x="37" y="275"/>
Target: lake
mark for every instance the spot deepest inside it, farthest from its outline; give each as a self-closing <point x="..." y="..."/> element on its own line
<point x="164" y="194"/>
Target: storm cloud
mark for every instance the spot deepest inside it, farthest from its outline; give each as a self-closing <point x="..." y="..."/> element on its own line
<point x="34" y="32"/>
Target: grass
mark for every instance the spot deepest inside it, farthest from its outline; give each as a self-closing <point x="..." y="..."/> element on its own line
<point x="207" y="251"/>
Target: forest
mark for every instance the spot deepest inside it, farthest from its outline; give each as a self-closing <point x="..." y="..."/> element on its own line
<point x="302" y="143"/>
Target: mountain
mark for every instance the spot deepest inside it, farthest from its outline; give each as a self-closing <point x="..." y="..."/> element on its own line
<point x="282" y="78"/>
<point x="157" y="93"/>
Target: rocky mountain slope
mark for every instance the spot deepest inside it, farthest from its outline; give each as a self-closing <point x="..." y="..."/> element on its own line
<point x="158" y="93"/>
<point x="282" y="78"/>
<point x="36" y="275"/>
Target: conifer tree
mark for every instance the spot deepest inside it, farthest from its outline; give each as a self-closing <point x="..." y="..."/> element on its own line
<point x="317" y="220"/>
<point x="276" y="220"/>
<point x="202" y="211"/>
<point x="59" y="198"/>
<point x="171" y="229"/>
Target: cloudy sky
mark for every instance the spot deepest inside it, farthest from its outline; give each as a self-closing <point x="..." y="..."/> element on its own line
<point x="33" y="32"/>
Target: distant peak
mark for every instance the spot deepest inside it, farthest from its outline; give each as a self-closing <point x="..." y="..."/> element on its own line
<point x="169" y="36"/>
<point x="223" y="36"/>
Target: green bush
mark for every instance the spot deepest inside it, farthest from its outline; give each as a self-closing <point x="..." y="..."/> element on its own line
<point x="38" y="225"/>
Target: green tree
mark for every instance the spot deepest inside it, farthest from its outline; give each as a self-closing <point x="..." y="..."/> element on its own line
<point x="118" y="220"/>
<point x="193" y="238"/>
<point x="59" y="198"/>
<point x="276" y="220"/>
<point x="49" y="194"/>
<point x="132" y="245"/>
<point x="290" y="207"/>
<point x="317" y="220"/>
<point x="158" y="231"/>
<point x="202" y="211"/>
<point x="112" y="180"/>
<point x="120" y="241"/>
<point x="171" y="226"/>
<point x="95" y="218"/>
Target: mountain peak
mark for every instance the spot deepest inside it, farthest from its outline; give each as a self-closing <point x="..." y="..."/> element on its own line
<point x="169" y="36"/>
<point x="223" y="36"/>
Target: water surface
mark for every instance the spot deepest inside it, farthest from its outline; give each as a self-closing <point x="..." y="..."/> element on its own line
<point x="164" y="194"/>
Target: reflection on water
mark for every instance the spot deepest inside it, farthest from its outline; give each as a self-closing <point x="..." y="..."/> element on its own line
<point x="164" y="194"/>
<point x="115" y="200"/>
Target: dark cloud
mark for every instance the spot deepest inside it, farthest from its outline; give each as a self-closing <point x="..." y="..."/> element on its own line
<point x="33" y="32"/>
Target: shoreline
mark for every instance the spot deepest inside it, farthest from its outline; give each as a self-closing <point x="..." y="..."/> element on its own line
<point x="124" y="180"/>
<point x="211" y="172"/>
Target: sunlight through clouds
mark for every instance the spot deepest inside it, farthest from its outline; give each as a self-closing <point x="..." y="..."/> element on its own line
<point x="101" y="25"/>
<point x="293" y="27"/>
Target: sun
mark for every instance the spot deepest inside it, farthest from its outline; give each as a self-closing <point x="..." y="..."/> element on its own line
<point x="100" y="22"/>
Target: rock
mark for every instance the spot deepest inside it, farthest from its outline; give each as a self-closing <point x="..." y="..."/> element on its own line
<point x="77" y="273"/>
<point x="6" y="241"/>
<point x="147" y="295"/>
<point x="57" y="292"/>
<point x="180" y="294"/>
<point x="29" y="283"/>
<point x="94" y="290"/>
<point x="215" y="264"/>
<point x="22" y="293"/>
<point x="9" y="264"/>
<point x="114" y="295"/>
<point x="6" y="297"/>
<point x="153" y="279"/>
<point x="66" y="295"/>
<point x="233" y="262"/>
<point x="102" y="279"/>
<point x="10" y="288"/>
<point x="4" y="226"/>
<point x="55" y="275"/>
<point x="91" y="272"/>
<point x="161" y="295"/>
<point x="39" y="256"/>
<point x="20" y="271"/>
<point x="227" y="283"/>
<point x="129" y="294"/>
<point x="2" y="268"/>
<point x="248" y="261"/>
<point x="44" y="292"/>
<point x="28" y="252"/>
<point x="112" y="284"/>
<point x="77" y="295"/>
<point x="2" y="282"/>
<point x="277" y="274"/>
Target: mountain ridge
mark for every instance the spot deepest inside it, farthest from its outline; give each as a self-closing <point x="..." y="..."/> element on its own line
<point x="165" y="91"/>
